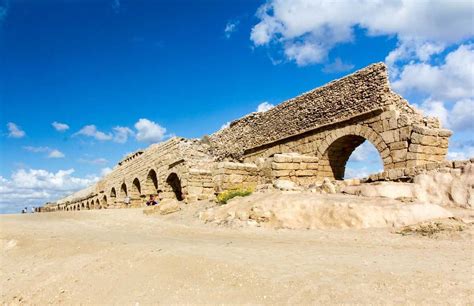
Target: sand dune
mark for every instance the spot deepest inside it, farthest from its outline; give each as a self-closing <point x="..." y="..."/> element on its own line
<point x="126" y="257"/>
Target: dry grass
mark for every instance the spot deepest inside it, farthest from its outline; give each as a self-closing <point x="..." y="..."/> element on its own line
<point x="434" y="227"/>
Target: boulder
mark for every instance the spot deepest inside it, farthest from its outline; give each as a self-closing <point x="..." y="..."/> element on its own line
<point x="328" y="186"/>
<point x="168" y="206"/>
<point x="286" y="185"/>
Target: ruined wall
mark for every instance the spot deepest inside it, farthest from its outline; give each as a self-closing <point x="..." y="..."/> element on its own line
<point x="332" y="121"/>
<point x="358" y="93"/>
<point x="304" y="139"/>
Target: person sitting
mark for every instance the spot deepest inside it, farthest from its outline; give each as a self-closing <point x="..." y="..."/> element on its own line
<point x="151" y="201"/>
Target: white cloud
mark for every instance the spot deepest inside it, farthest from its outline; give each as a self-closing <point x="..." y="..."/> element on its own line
<point x="149" y="131"/>
<point x="105" y="171"/>
<point x="37" y="149"/>
<point x="91" y="131"/>
<point x="337" y="66"/>
<point x="462" y="115"/>
<point x="225" y="125"/>
<point x="96" y="161"/>
<point x="56" y="154"/>
<point x="307" y="30"/>
<point x="264" y="106"/>
<point x="230" y="28"/>
<point x="60" y="127"/>
<point x="121" y="134"/>
<point x="34" y="187"/>
<point x="451" y="80"/>
<point x="52" y="153"/>
<point x="14" y="131"/>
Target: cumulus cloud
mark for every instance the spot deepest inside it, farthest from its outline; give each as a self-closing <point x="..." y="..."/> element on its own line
<point x="92" y="131"/>
<point x="94" y="161"/>
<point x="149" y="131"/>
<point x="121" y="134"/>
<point x="337" y="66"/>
<point x="264" y="106"/>
<point x="105" y="171"/>
<point x="14" y="131"/>
<point x="225" y="125"/>
<point x="51" y="153"/>
<point x="230" y="28"/>
<point x="34" y="187"/>
<point x="307" y="30"/>
<point x="60" y="127"/>
<point x="454" y="79"/>
<point x="56" y="154"/>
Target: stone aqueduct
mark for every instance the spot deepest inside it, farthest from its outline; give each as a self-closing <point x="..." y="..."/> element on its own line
<point x="303" y="139"/>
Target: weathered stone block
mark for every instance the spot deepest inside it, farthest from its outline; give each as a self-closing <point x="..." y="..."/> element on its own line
<point x="285" y="166"/>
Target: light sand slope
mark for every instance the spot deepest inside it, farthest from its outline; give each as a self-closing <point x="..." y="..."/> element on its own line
<point x="123" y="256"/>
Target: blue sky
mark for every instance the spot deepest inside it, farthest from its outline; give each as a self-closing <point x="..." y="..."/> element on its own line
<point x="117" y="75"/>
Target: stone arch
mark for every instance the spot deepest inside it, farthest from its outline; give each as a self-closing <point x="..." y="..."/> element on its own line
<point x="97" y="204"/>
<point x="174" y="184"/>
<point x="338" y="145"/>
<point x="123" y="192"/>
<point x="151" y="183"/>
<point x="136" y="189"/>
<point x="82" y="205"/>
<point x="103" y="203"/>
<point x="135" y="193"/>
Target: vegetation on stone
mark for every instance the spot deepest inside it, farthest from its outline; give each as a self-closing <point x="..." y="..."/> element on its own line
<point x="226" y="195"/>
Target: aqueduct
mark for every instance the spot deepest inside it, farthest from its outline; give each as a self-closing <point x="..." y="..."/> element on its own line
<point x="304" y="139"/>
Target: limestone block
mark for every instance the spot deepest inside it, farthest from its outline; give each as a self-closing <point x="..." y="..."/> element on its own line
<point x="399" y="155"/>
<point x="390" y="136"/>
<point x="445" y="133"/>
<point x="306" y="172"/>
<point x="424" y="139"/>
<point x="194" y="190"/>
<point x="405" y="133"/>
<point x="423" y="130"/>
<point x="285" y="185"/>
<point x="398" y="145"/>
<point x="280" y="173"/>
<point x="285" y="166"/>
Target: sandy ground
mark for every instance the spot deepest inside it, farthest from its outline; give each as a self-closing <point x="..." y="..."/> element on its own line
<point x="125" y="257"/>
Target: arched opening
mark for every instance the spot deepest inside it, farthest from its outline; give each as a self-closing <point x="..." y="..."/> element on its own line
<point x="135" y="193"/>
<point x="136" y="189"/>
<point x="334" y="161"/>
<point x="151" y="183"/>
<point x="364" y="160"/>
<point x="113" y="193"/>
<point x="123" y="193"/>
<point x="175" y="184"/>
<point x="104" y="202"/>
<point x="82" y="205"/>
<point x="97" y="204"/>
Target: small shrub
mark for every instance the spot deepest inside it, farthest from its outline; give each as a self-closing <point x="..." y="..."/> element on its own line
<point x="225" y="196"/>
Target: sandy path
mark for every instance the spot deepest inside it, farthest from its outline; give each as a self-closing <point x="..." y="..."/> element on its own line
<point x="124" y="257"/>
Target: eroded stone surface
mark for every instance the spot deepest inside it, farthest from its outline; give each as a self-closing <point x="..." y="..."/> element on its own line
<point x="304" y="140"/>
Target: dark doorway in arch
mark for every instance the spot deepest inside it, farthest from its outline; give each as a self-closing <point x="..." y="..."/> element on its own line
<point x="104" y="202"/>
<point x="175" y="183"/>
<point x="151" y="184"/>
<point x="363" y="156"/>
<point x="136" y="188"/>
<point x="113" y="193"/>
<point x="82" y="205"/>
